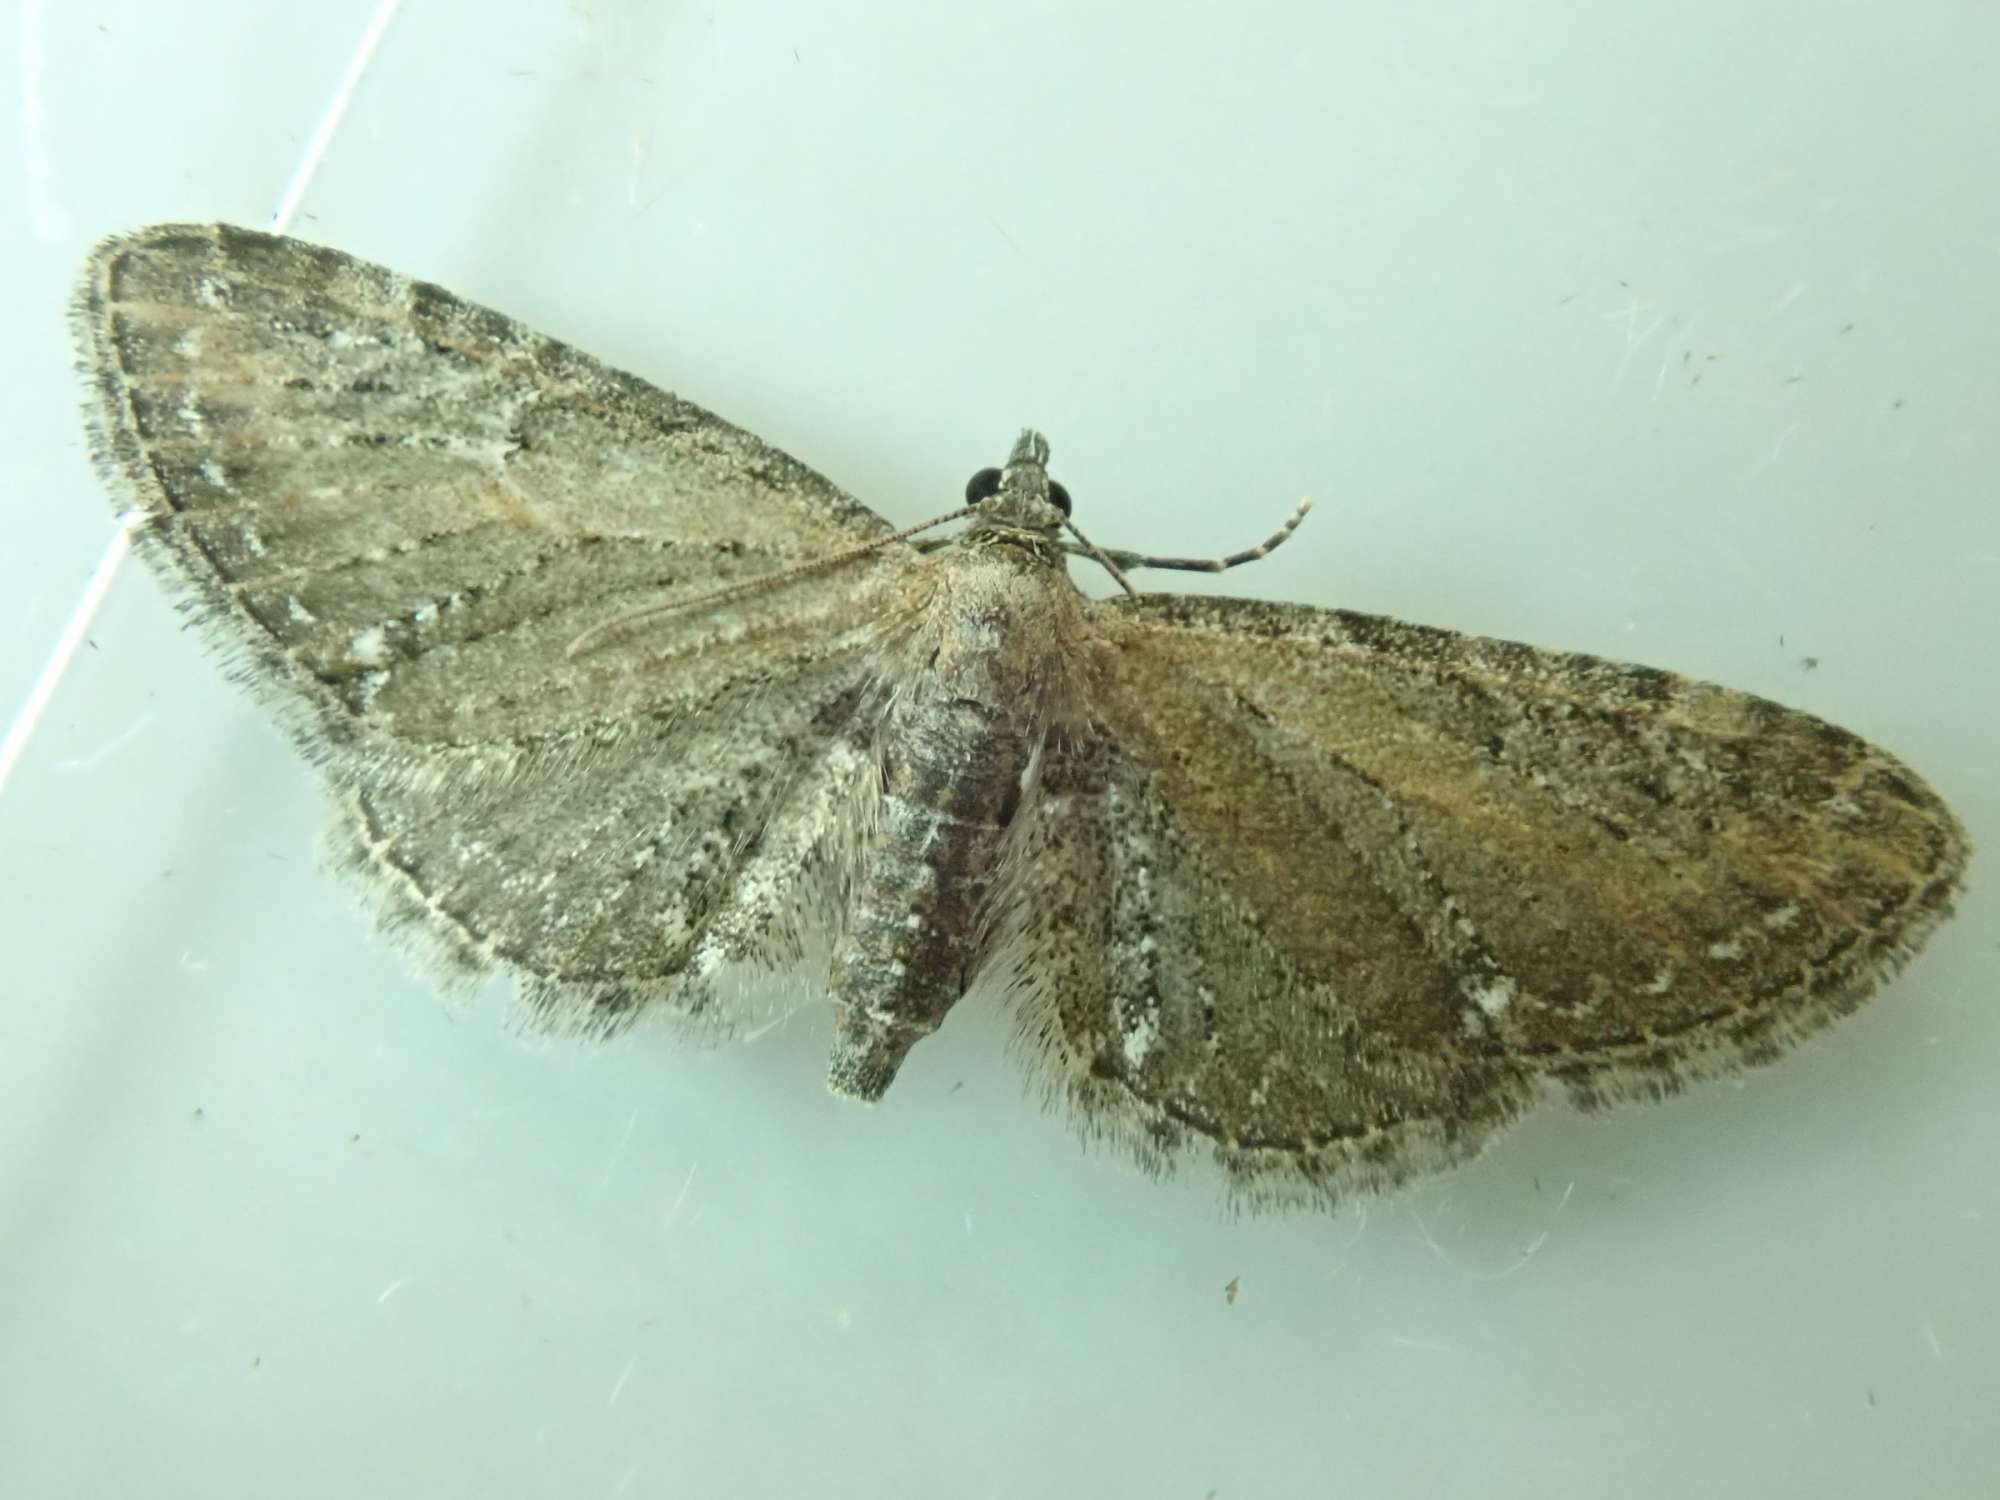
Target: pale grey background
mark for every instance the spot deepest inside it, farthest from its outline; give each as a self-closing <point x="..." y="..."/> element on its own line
<point x="1661" y="330"/>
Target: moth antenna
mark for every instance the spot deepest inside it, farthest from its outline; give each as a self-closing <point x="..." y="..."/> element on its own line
<point x="1137" y="560"/>
<point x="617" y="623"/>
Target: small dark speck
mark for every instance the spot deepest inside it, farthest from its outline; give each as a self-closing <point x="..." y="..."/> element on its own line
<point x="1229" y="1292"/>
<point x="1897" y="404"/>
<point x="198" y="1116"/>
<point x="1809" y="663"/>
<point x="1871" y="1398"/>
<point x="254" y="1363"/>
<point x="353" y="1138"/>
<point x="1567" y="300"/>
<point x="1847" y="328"/>
<point x="1538" y="1184"/>
<point x="956" y="1087"/>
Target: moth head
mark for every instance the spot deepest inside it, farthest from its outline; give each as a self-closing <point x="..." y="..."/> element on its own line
<point x="1021" y="495"/>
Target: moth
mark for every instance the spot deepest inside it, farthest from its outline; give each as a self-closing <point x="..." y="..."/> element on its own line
<point x="617" y="697"/>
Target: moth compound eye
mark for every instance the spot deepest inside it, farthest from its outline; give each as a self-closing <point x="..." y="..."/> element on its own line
<point x="1059" y="497"/>
<point x="982" y="486"/>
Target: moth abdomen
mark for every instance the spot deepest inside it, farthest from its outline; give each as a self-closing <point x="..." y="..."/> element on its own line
<point x="951" y="781"/>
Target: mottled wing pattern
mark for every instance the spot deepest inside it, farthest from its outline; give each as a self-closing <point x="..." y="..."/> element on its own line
<point x="1319" y="897"/>
<point x="1163" y="999"/>
<point x="397" y="510"/>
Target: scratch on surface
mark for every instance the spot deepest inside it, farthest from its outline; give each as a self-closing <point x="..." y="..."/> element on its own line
<point x="1527" y="1254"/>
<point x="1777" y="449"/>
<point x="1798" y="290"/>
<point x="1360" y="1228"/>
<point x="1930" y="1335"/>
<point x="674" y="1208"/>
<point x="618" y="1385"/>
<point x="108" y="749"/>
<point x="391" y="1289"/>
<point x="1001" y="230"/>
<point x="1666" y="364"/>
<point x="783" y="1016"/>
<point x="1635" y="339"/>
<point x="613" y="1156"/>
